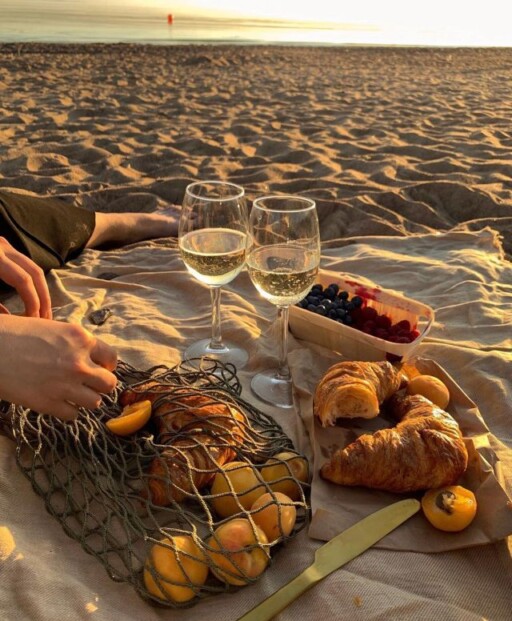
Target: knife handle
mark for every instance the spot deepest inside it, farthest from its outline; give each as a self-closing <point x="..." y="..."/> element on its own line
<point x="273" y="605"/>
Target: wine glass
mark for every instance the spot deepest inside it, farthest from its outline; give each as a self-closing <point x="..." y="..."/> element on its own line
<point x="213" y="240"/>
<point x="282" y="261"/>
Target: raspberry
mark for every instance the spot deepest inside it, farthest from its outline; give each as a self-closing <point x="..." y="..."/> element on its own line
<point x="403" y="339"/>
<point x="369" y="313"/>
<point x="381" y="333"/>
<point x="369" y="326"/>
<point x="383" y="321"/>
<point x="403" y="325"/>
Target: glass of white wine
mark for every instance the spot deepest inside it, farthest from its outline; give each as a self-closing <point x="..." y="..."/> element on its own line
<point x="282" y="261"/>
<point x="213" y="240"/>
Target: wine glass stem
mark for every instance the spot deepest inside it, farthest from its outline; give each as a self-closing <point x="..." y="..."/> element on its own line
<point x="216" y="342"/>
<point x="283" y="371"/>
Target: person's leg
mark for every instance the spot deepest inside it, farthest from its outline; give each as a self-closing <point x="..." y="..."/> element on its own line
<point x="127" y="228"/>
<point x="51" y="231"/>
<point x="47" y="230"/>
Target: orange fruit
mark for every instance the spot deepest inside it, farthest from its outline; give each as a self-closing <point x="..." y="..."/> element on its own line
<point x="180" y="569"/>
<point x="451" y="508"/>
<point x="430" y="387"/>
<point x="132" y="418"/>
<point x="275" y="514"/>
<point x="235" y="487"/>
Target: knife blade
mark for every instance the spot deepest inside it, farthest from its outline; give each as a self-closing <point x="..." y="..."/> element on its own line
<point x="334" y="554"/>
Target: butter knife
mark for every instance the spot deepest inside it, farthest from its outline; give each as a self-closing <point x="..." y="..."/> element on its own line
<point x="335" y="553"/>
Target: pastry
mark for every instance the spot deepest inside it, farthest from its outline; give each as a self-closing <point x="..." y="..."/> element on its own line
<point x="425" y="450"/>
<point x="354" y="389"/>
<point x="198" y="432"/>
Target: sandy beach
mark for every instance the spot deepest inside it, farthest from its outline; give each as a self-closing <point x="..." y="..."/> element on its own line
<point x="388" y="141"/>
<point x="407" y="153"/>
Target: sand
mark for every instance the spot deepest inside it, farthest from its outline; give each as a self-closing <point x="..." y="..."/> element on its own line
<point x="388" y="141"/>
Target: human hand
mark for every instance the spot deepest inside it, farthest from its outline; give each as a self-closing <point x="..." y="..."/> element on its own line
<point x="53" y="367"/>
<point x="21" y="273"/>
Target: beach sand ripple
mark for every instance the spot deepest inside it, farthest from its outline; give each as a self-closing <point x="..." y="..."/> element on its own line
<point x="389" y="141"/>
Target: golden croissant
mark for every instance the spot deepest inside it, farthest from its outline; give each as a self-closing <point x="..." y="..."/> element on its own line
<point x="199" y="432"/>
<point x="425" y="450"/>
<point x="354" y="389"/>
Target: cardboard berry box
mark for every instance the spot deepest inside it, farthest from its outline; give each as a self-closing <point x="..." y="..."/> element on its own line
<point x="392" y="330"/>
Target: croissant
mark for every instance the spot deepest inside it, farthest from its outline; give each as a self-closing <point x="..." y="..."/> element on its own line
<point x="354" y="389"/>
<point x="199" y="432"/>
<point x="425" y="450"/>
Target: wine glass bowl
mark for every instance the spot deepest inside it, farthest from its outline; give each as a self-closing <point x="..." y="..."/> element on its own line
<point x="213" y="239"/>
<point x="282" y="262"/>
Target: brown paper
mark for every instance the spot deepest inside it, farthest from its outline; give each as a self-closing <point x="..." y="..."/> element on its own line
<point x="335" y="507"/>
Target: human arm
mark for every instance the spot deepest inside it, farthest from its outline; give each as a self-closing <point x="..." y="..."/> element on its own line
<point x="53" y="367"/>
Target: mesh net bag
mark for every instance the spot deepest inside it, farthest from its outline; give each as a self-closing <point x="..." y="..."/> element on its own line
<point x="163" y="508"/>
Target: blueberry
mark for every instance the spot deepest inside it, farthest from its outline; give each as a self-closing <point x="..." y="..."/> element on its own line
<point x="343" y="295"/>
<point x="341" y="312"/>
<point x="321" y="310"/>
<point x="357" y="301"/>
<point x="335" y="287"/>
<point x="311" y="307"/>
<point x="349" y="306"/>
<point x="313" y="299"/>
<point x="317" y="288"/>
<point x="347" y="320"/>
<point x="332" y="314"/>
<point x="330" y="293"/>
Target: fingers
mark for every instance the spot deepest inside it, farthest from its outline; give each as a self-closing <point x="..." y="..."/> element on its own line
<point x="104" y="355"/>
<point x="40" y="284"/>
<point x="27" y="278"/>
<point x="100" y="380"/>
<point x="62" y="409"/>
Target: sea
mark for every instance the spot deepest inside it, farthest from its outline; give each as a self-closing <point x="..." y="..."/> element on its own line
<point x="91" y="21"/>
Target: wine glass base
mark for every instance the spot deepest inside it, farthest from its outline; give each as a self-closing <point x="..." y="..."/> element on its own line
<point x="268" y="387"/>
<point x="230" y="353"/>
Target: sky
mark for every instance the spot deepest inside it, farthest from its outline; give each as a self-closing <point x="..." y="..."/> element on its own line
<point x="483" y="22"/>
<point x="430" y="22"/>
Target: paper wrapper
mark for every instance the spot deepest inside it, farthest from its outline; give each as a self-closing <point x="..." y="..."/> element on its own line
<point x="336" y="507"/>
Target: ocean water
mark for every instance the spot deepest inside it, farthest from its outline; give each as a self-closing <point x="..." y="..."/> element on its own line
<point x="83" y="21"/>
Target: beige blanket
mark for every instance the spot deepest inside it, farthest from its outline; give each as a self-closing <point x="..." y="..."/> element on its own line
<point x="158" y="309"/>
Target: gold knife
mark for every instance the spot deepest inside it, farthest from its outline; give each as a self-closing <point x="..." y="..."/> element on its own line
<point x="335" y="553"/>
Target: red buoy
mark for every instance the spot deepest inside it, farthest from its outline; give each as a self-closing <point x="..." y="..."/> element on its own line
<point x="169" y="19"/>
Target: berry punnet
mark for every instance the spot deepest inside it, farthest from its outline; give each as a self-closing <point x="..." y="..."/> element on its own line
<point x="353" y="311"/>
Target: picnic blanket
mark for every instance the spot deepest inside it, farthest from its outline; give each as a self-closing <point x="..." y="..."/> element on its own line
<point x="157" y="309"/>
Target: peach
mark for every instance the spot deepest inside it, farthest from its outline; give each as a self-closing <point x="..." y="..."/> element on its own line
<point x="132" y="418"/>
<point x="280" y="470"/>
<point x="178" y="571"/>
<point x="275" y="514"/>
<point x="430" y="387"/>
<point x="240" y="484"/>
<point x="238" y="552"/>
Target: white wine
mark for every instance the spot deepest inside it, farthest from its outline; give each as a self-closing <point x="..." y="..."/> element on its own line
<point x="214" y="256"/>
<point x="284" y="273"/>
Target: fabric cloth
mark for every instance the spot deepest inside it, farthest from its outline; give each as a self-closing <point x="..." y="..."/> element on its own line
<point x="48" y="230"/>
<point x="158" y="309"/>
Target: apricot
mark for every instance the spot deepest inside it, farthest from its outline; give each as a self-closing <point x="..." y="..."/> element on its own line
<point x="132" y="418"/>
<point x="451" y="508"/>
<point x="275" y="514"/>
<point x="430" y="387"/>
<point x="240" y="485"/>
<point x="280" y="470"/>
<point x="238" y="552"/>
<point x="179" y="570"/>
